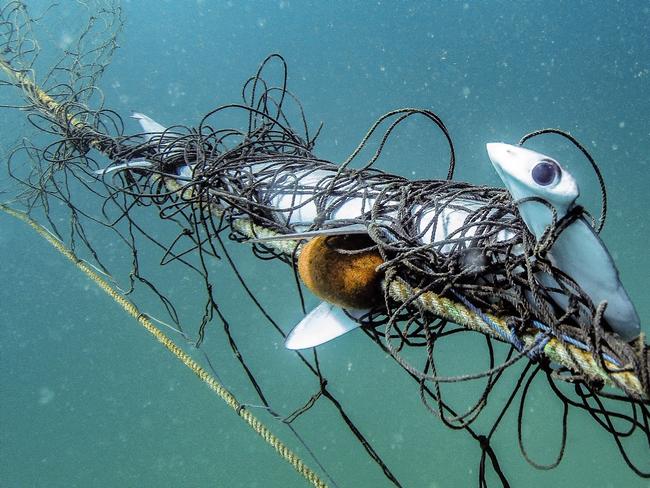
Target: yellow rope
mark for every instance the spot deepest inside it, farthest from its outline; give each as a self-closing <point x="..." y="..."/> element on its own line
<point x="568" y="355"/>
<point x="230" y="400"/>
<point x="42" y="100"/>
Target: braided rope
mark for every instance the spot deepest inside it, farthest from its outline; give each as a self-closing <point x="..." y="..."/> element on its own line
<point x="282" y="449"/>
<point x="564" y="353"/>
<point x="568" y="355"/>
<point x="36" y="94"/>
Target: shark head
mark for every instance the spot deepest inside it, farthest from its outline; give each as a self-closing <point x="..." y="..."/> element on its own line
<point x="527" y="174"/>
<point x="578" y="251"/>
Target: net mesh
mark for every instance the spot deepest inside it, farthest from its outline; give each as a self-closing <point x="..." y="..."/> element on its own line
<point x="261" y="179"/>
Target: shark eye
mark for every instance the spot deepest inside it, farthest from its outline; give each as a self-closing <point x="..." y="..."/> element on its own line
<point x="546" y="172"/>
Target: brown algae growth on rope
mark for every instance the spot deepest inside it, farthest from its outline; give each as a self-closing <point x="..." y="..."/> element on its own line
<point x="228" y="398"/>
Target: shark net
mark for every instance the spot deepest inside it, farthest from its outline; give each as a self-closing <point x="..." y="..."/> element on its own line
<point x="251" y="185"/>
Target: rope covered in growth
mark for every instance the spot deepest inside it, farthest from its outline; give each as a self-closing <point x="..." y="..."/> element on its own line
<point x="257" y="425"/>
<point x="45" y="101"/>
<point x="568" y="355"/>
<point x="51" y="108"/>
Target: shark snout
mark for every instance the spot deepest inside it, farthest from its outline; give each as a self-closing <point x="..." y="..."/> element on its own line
<point x="499" y="152"/>
<point x="501" y="155"/>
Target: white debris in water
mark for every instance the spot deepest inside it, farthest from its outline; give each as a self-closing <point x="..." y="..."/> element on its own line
<point x="65" y="40"/>
<point x="45" y="395"/>
<point x="466" y="91"/>
<point x="621" y="124"/>
<point x="175" y="92"/>
<point x="398" y="441"/>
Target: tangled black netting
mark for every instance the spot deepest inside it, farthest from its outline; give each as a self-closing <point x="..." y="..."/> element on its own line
<point x="209" y="180"/>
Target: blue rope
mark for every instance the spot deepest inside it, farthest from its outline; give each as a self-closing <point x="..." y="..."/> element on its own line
<point x="488" y="321"/>
<point x="577" y="343"/>
<point x="541" y="339"/>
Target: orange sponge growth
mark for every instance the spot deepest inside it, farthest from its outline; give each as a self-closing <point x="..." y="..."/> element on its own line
<point x="331" y="272"/>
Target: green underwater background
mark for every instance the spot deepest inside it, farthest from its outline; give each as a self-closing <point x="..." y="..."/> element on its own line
<point x="87" y="398"/>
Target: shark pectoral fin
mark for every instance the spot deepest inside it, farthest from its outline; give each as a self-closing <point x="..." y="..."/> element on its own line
<point x="324" y="323"/>
<point x="335" y="231"/>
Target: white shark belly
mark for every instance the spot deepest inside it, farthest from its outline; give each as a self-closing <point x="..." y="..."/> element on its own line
<point x="450" y="219"/>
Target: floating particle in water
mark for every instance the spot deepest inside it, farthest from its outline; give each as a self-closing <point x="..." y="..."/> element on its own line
<point x="65" y="40"/>
<point x="45" y="395"/>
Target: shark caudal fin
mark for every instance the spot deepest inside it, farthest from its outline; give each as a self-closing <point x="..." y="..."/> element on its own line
<point x="321" y="325"/>
<point x="159" y="134"/>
